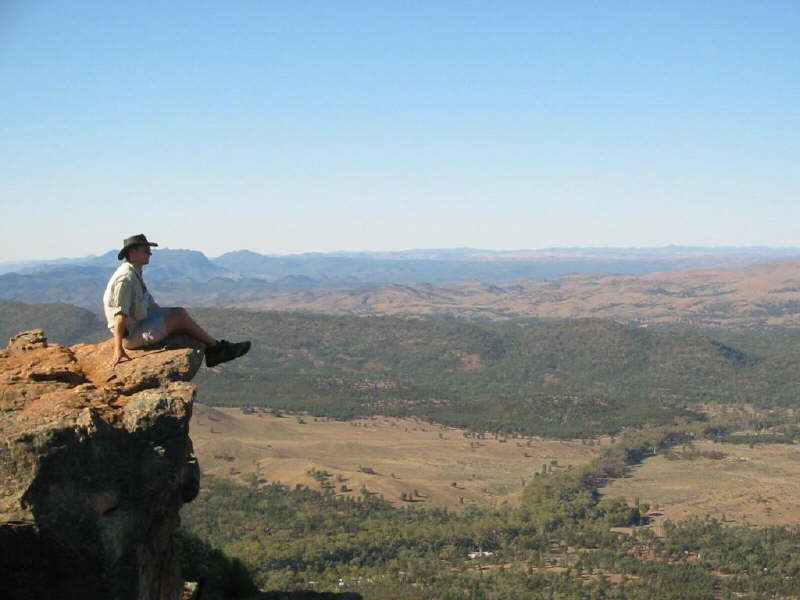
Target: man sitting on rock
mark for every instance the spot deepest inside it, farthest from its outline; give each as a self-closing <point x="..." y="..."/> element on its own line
<point x="135" y="320"/>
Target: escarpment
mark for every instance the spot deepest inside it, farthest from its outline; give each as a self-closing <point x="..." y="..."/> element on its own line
<point x="95" y="464"/>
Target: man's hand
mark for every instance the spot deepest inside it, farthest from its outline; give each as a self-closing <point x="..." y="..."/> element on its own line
<point x="119" y="351"/>
<point x="119" y="356"/>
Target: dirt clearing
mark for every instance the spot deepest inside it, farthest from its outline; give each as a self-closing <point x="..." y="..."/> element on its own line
<point x="409" y="462"/>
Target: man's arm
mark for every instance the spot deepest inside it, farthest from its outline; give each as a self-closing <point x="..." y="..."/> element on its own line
<point x="119" y="302"/>
<point x="119" y="332"/>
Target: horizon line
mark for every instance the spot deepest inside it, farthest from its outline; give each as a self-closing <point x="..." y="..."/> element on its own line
<point x="463" y="249"/>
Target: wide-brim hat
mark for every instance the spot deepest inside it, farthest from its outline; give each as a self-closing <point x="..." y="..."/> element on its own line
<point x="134" y="240"/>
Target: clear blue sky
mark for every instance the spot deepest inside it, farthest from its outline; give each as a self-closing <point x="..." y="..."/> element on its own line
<point x="332" y="125"/>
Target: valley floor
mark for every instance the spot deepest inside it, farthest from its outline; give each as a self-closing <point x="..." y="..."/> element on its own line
<point x="413" y="462"/>
<point x="432" y="465"/>
<point x="757" y="486"/>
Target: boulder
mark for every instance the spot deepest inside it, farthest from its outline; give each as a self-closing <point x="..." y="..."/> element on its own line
<point x="27" y="340"/>
<point x="95" y="464"/>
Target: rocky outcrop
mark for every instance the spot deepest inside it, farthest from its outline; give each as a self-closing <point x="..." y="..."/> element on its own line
<point x="95" y="464"/>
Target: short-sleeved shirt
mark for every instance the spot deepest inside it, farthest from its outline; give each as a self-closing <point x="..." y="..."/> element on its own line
<point x="126" y="293"/>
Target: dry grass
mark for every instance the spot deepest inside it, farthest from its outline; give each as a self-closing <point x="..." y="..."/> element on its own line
<point x="406" y="455"/>
<point x="756" y="486"/>
<point x="756" y="295"/>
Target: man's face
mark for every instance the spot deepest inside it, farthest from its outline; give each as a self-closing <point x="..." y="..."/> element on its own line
<point x="139" y="255"/>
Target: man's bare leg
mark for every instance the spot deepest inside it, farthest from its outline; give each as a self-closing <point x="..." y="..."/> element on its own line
<point x="179" y="321"/>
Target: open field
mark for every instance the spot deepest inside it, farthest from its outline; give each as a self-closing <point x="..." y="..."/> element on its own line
<point x="756" y="486"/>
<point x="405" y="454"/>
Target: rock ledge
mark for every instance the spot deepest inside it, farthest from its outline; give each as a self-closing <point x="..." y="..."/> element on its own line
<point x="95" y="464"/>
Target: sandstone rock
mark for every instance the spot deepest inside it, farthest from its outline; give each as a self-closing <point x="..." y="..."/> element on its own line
<point x="27" y="340"/>
<point x="178" y="359"/>
<point x="95" y="464"/>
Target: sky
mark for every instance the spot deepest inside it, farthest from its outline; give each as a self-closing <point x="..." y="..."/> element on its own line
<point x="301" y="126"/>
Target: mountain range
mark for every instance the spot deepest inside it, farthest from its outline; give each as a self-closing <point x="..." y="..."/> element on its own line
<point x="761" y="295"/>
<point x="756" y="295"/>
<point x="434" y="266"/>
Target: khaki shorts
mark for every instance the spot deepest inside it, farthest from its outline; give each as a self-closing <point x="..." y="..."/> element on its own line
<point x="148" y="331"/>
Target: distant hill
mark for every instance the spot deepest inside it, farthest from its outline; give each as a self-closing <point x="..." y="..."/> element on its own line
<point x="63" y="323"/>
<point x="167" y="264"/>
<point x="172" y="265"/>
<point x="555" y="378"/>
<point x="433" y="266"/>
<point x="335" y="270"/>
<point x="456" y="265"/>
<point x="84" y="287"/>
<point x="759" y="295"/>
<point x="30" y="266"/>
<point x="81" y="286"/>
<point x="82" y="281"/>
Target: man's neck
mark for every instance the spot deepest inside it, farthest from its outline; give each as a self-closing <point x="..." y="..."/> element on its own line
<point x="135" y="266"/>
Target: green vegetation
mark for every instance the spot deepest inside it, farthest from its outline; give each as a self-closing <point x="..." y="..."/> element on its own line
<point x="200" y="561"/>
<point x="768" y="438"/>
<point x="63" y="323"/>
<point x="559" y="544"/>
<point x="558" y="379"/>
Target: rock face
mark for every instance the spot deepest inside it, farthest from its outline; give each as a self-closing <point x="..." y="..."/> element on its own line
<point x="95" y="464"/>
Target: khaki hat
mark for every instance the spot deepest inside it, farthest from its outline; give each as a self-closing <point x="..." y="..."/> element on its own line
<point x="134" y="240"/>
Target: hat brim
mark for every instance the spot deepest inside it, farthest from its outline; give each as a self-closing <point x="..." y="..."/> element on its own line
<point x="121" y="253"/>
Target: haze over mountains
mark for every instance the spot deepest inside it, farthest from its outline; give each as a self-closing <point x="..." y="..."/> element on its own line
<point x="740" y="287"/>
<point x="419" y="266"/>
<point x="754" y="296"/>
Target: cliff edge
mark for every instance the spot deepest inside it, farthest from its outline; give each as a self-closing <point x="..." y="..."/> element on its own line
<point x="95" y="464"/>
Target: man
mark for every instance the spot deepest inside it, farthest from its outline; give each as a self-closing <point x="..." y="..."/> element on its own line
<point x="135" y="320"/>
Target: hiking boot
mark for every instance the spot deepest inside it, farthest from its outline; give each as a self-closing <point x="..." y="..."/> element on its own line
<point x="224" y="351"/>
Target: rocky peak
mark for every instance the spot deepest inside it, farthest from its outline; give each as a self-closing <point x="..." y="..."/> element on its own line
<point x="95" y="464"/>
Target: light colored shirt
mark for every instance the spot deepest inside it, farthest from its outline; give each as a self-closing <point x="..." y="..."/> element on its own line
<point x="127" y="294"/>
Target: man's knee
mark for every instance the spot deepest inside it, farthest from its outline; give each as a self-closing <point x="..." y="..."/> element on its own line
<point x="178" y="312"/>
<point x="176" y="319"/>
